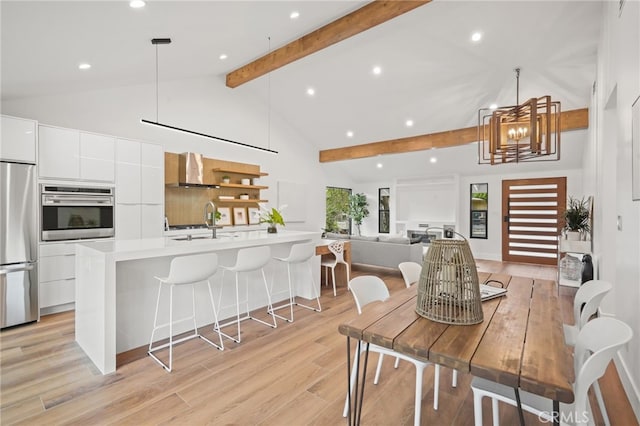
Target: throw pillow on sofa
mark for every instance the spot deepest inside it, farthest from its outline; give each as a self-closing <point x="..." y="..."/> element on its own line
<point x="364" y="238"/>
<point x="396" y="240"/>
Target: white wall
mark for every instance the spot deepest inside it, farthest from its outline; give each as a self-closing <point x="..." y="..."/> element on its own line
<point x="607" y="165"/>
<point x="370" y="189"/>
<point x="491" y="248"/>
<point x="203" y="105"/>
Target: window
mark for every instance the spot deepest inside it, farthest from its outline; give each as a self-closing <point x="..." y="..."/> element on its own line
<point x="479" y="208"/>
<point x="383" y="210"/>
<point x="337" y="210"/>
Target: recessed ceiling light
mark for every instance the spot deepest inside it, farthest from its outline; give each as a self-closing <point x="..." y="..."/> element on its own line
<point x="409" y="123"/>
<point x="311" y="91"/>
<point x="379" y="165"/>
<point x="377" y="70"/>
<point x="493" y="106"/>
<point x="349" y="134"/>
<point x="84" y="66"/>
<point x="433" y="159"/>
<point x="223" y="56"/>
<point x="137" y="4"/>
<point x="476" y="37"/>
<point x="294" y="15"/>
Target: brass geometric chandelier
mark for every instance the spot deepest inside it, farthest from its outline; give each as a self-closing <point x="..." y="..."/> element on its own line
<point x="521" y="133"/>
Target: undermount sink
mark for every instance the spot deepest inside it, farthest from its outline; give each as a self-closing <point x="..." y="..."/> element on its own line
<point x="191" y="237"/>
<point x="200" y="237"/>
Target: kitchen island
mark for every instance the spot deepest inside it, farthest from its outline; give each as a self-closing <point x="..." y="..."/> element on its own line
<point x="116" y="290"/>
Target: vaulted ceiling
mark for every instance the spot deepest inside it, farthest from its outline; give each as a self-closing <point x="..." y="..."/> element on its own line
<point x="431" y="71"/>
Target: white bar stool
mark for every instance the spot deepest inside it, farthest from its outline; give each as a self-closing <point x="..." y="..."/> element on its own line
<point x="185" y="270"/>
<point x="248" y="260"/>
<point x="299" y="254"/>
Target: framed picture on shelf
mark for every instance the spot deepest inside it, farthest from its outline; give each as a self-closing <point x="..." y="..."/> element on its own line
<point x="239" y="216"/>
<point x="225" y="216"/>
<point x="253" y="214"/>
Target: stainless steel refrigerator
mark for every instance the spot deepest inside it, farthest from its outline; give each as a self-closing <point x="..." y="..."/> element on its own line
<point x="18" y="244"/>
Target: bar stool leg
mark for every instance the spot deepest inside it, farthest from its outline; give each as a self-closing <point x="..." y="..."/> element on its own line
<point x="291" y="296"/>
<point x="155" y="318"/>
<point x="269" y="305"/>
<point x="315" y="292"/>
<point x="170" y="329"/>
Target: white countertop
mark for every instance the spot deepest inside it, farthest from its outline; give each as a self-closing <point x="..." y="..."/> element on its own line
<point x="168" y="246"/>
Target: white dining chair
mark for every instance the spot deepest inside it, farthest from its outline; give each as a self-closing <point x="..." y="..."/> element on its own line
<point x="366" y="289"/>
<point x="410" y="272"/>
<point x="337" y="249"/>
<point x="597" y="343"/>
<point x="411" y="275"/>
<point x="185" y="271"/>
<point x="585" y="304"/>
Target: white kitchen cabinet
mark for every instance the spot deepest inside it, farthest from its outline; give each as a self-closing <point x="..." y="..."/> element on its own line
<point x="58" y="153"/>
<point x="71" y="154"/>
<point x="152" y="173"/>
<point x="152" y="221"/>
<point x="128" y="222"/>
<point x="139" y="189"/>
<point x="97" y="155"/>
<point x="151" y="191"/>
<point x="18" y="141"/>
<point x="56" y="277"/>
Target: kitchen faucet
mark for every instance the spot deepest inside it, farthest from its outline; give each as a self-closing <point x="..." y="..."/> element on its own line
<point x="213" y="226"/>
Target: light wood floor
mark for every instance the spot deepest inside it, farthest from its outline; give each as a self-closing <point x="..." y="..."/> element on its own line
<point x="293" y="375"/>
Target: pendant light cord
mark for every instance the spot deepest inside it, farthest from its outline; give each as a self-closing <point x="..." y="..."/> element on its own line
<point x="269" y="100"/>
<point x="157" y="120"/>
<point x="517" y="86"/>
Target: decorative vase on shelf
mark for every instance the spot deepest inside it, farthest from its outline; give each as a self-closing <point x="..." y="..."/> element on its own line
<point x="272" y="229"/>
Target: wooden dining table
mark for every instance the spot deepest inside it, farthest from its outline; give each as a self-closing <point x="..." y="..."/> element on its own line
<point x="520" y="342"/>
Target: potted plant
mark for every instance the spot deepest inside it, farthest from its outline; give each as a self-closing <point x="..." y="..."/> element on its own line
<point x="225" y="179"/>
<point x="576" y="218"/>
<point x="358" y="209"/>
<point x="272" y="217"/>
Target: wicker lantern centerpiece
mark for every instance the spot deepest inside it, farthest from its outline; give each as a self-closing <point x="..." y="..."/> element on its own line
<point x="448" y="290"/>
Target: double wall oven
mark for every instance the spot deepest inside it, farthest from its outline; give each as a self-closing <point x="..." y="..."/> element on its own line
<point x="76" y="212"/>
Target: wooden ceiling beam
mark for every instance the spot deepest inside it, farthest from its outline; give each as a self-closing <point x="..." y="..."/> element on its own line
<point x="576" y="119"/>
<point x="374" y="13"/>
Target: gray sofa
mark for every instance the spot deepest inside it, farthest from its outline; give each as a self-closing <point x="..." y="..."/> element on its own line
<point x="382" y="251"/>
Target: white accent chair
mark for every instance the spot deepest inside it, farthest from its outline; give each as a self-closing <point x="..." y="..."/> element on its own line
<point x="585" y="304"/>
<point x="337" y="248"/>
<point x="250" y="259"/>
<point x="596" y="345"/>
<point x="185" y="271"/>
<point x="366" y="289"/>
<point x="299" y="254"/>
<point x="410" y="272"/>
